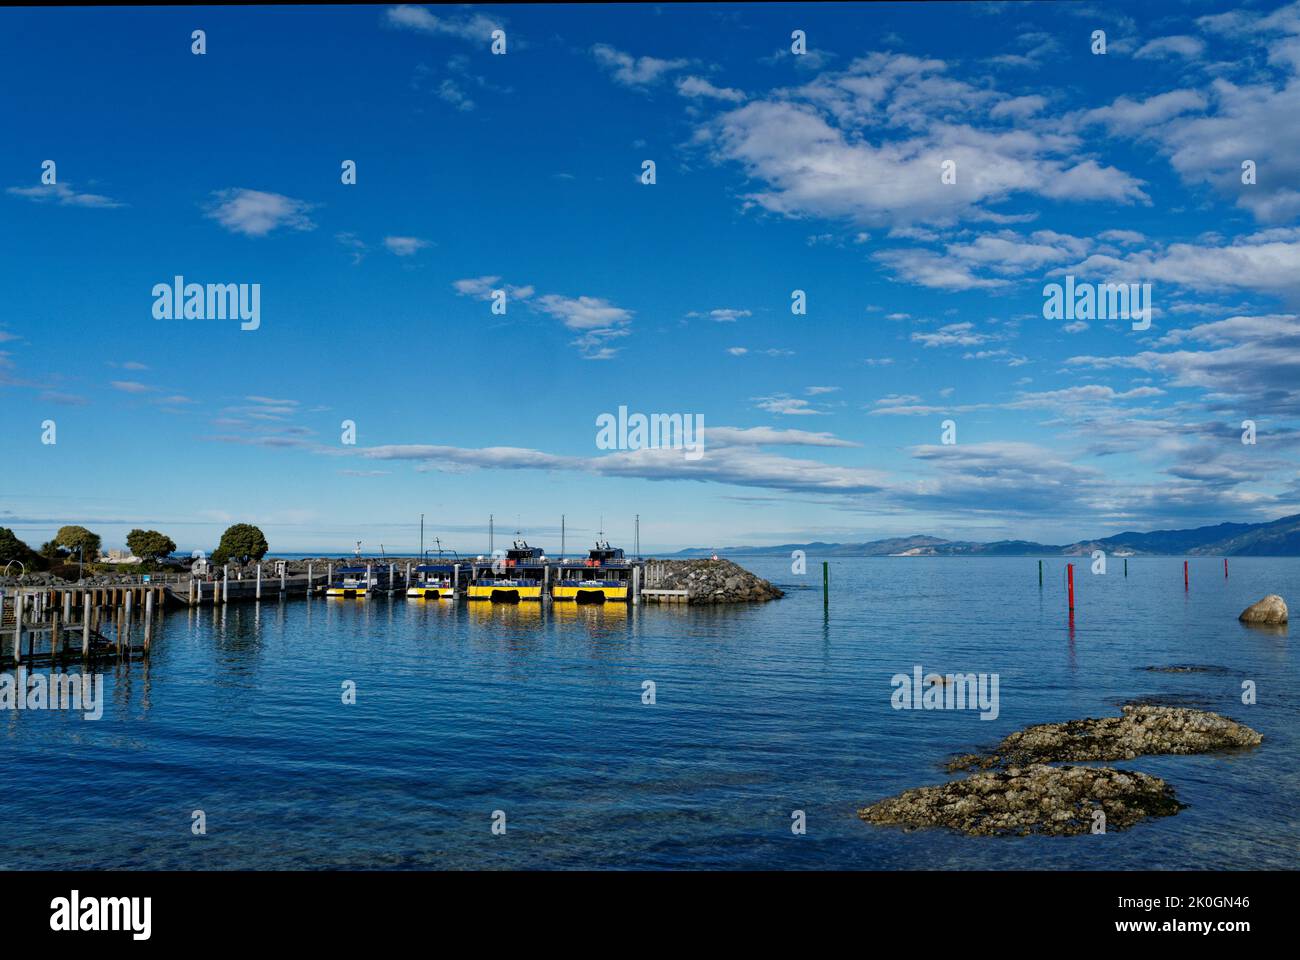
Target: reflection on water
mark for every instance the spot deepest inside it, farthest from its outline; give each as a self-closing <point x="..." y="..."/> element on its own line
<point x="462" y="708"/>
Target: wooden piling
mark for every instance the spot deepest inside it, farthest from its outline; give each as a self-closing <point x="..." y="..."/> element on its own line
<point x="148" y="621"/>
<point x="56" y="635"/>
<point x="85" y="628"/>
<point x="18" y="627"/>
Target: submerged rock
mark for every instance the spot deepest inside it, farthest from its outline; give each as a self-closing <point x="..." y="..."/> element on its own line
<point x="1270" y="610"/>
<point x="1037" y="799"/>
<point x="1142" y="729"/>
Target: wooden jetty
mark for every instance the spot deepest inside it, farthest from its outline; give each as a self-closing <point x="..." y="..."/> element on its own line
<point x="43" y="626"/>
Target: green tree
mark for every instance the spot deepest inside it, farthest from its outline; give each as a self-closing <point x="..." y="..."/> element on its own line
<point x="52" y="551"/>
<point x="11" y="548"/>
<point x="150" y="545"/>
<point x="240" y="544"/>
<point x="74" y="537"/>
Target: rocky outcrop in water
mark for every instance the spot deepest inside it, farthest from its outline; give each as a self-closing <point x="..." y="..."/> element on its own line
<point x="710" y="581"/>
<point x="1271" y="610"/>
<point x="1141" y="730"/>
<point x="1036" y="799"/>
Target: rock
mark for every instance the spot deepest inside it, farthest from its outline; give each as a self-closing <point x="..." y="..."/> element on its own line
<point x="712" y="581"/>
<point x="1270" y="610"/>
<point x="1037" y="799"/>
<point x="1142" y="730"/>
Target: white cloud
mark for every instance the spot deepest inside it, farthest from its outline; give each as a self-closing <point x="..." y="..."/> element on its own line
<point x="255" y="213"/>
<point x="699" y="87"/>
<point x="1176" y="46"/>
<point x="405" y="246"/>
<point x="786" y="405"/>
<point x="634" y="71"/>
<point x="421" y="20"/>
<point x="866" y="144"/>
<point x="953" y="335"/>
<point x="64" y="195"/>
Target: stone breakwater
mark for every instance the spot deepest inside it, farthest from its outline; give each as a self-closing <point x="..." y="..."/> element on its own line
<point x="1141" y="730"/>
<point x="710" y="581"/>
<point x="1025" y="794"/>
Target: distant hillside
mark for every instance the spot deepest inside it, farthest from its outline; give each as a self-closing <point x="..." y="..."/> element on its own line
<point x="1277" y="538"/>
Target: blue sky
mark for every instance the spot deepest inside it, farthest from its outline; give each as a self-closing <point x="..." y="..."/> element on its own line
<point x="774" y="172"/>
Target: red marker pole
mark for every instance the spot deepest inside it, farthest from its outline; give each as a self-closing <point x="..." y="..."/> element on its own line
<point x="1069" y="578"/>
<point x="1184" y="574"/>
<point x="1225" y="568"/>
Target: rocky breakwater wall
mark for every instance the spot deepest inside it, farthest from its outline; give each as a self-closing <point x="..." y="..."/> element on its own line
<point x="710" y="581"/>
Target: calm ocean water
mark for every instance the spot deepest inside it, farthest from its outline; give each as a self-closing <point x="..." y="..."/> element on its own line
<point x="463" y="709"/>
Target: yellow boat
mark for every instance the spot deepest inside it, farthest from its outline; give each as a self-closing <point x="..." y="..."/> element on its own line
<point x="590" y="591"/>
<point x="354" y="582"/>
<point x="433" y="583"/>
<point x="604" y="576"/>
<point x="511" y="581"/>
<point x="505" y="590"/>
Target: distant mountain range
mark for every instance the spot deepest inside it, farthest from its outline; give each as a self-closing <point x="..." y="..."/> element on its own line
<point x="1277" y="538"/>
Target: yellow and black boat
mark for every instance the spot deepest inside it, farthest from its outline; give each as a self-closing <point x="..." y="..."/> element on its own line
<point x="516" y="576"/>
<point x="357" y="582"/>
<point x="434" y="581"/>
<point x="604" y="576"/>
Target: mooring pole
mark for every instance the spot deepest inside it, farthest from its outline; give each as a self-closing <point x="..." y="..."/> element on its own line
<point x="85" y="628"/>
<point x="1040" y="573"/>
<point x="148" y="620"/>
<point x="1184" y="575"/>
<point x="309" y="580"/>
<point x="1225" y="568"/>
<point x="1069" y="577"/>
<point x="826" y="586"/>
<point x="18" y="627"/>
<point x="1126" y="566"/>
<point x="259" y="582"/>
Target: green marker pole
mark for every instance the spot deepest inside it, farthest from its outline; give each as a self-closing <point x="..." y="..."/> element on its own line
<point x="826" y="586"/>
<point x="1040" y="573"/>
<point x="1126" y="566"/>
